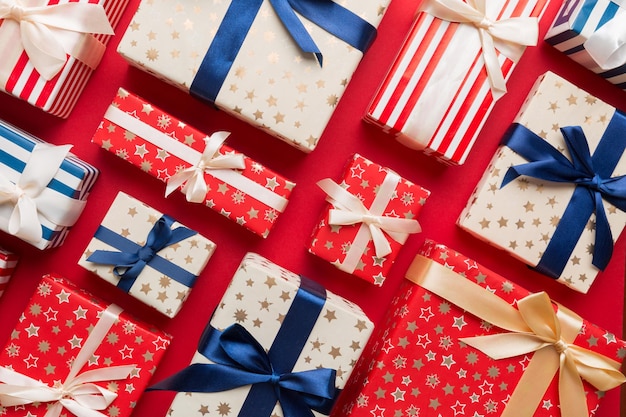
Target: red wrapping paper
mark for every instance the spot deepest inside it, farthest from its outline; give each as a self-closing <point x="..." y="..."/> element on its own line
<point x="8" y="261"/>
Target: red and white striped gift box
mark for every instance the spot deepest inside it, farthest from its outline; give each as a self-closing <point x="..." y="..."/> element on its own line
<point x="8" y="261"/>
<point x="436" y="96"/>
<point x="57" y="96"/>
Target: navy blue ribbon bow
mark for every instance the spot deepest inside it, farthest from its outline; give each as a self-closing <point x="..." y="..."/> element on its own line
<point x="592" y="176"/>
<point x="327" y="14"/>
<point x="133" y="258"/>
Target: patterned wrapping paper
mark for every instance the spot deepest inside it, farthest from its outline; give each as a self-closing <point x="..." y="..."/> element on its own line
<point x="164" y="284"/>
<point x="265" y="298"/>
<point x="580" y="20"/>
<point x="523" y="216"/>
<point x="416" y="364"/>
<point x="351" y="247"/>
<point x="55" y="330"/>
<point x="57" y="95"/>
<point x="59" y="186"/>
<point x="437" y="96"/>
<point x="8" y="261"/>
<point x="272" y="84"/>
<point x="162" y="145"/>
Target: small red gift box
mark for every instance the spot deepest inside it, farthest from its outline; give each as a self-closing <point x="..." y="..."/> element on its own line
<point x="8" y="261"/>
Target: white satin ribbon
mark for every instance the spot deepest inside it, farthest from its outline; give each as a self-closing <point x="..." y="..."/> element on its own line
<point x="192" y="178"/>
<point x="51" y="32"/>
<point x="78" y="393"/>
<point x="30" y="197"/>
<point x="607" y="45"/>
<point x="348" y="210"/>
<point x="509" y="36"/>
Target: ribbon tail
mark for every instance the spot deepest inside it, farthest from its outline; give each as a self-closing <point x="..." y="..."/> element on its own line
<point x="297" y="30"/>
<point x="572" y="397"/>
<point x="177" y="180"/>
<point x="603" y="246"/>
<point x="195" y="189"/>
<point x="75" y="408"/>
<point x="505" y="345"/>
<point x="381" y="244"/>
<point x="24" y="221"/>
<point x="492" y="65"/>
<point x="607" y="45"/>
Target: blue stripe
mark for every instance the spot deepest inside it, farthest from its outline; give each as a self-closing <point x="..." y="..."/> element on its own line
<point x="609" y="14"/>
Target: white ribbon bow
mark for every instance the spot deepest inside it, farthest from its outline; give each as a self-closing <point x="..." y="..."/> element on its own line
<point x="50" y="33"/>
<point x="509" y="36"/>
<point x="348" y="209"/>
<point x="30" y="197"/>
<point x="607" y="45"/>
<point x="77" y="393"/>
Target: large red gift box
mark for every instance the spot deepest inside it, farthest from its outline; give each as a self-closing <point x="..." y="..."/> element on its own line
<point x="421" y="361"/>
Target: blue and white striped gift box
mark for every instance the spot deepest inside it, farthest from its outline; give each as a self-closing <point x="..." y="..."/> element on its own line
<point x="576" y="22"/>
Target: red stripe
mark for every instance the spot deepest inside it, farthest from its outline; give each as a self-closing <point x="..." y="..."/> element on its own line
<point x="16" y="73"/>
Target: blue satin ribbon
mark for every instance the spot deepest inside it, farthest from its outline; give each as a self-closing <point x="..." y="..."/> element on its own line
<point x="240" y="360"/>
<point x="133" y="258"/>
<point x="590" y="174"/>
<point x="327" y="14"/>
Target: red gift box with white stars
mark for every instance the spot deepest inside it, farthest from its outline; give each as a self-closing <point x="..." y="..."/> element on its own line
<point x="161" y="145"/>
<point x="417" y="365"/>
<point x="55" y="329"/>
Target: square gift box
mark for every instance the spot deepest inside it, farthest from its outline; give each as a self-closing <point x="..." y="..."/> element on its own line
<point x="72" y="354"/>
<point x="176" y="255"/>
<point x="429" y="356"/>
<point x="373" y="209"/>
<point x="241" y="57"/>
<point x="200" y="165"/>
<point x="439" y="91"/>
<point x="44" y="188"/>
<point x="563" y="212"/>
<point x="8" y="261"/>
<point x="589" y="31"/>
<point x="33" y="73"/>
<point x="312" y="338"/>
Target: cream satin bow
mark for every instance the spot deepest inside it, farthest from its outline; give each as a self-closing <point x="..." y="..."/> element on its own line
<point x="195" y="188"/>
<point x="607" y="45"/>
<point x="509" y="36"/>
<point x="50" y="33"/>
<point x="78" y="394"/>
<point x="348" y="210"/>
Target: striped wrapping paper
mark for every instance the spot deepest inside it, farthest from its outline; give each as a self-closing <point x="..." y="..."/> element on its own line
<point x="59" y="95"/>
<point x="436" y="96"/>
<point x="579" y="19"/>
<point x="8" y="261"/>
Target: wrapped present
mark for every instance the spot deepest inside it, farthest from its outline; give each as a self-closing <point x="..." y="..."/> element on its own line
<point x="591" y="33"/>
<point x="278" y="345"/>
<point x="258" y="61"/>
<point x="459" y="339"/>
<point x="561" y="206"/>
<point x="451" y="70"/>
<point x="51" y="74"/>
<point x="72" y="354"/>
<point x="205" y="169"/>
<point x="369" y="217"/>
<point x="8" y="261"/>
<point x="43" y="188"/>
<point x="147" y="254"/>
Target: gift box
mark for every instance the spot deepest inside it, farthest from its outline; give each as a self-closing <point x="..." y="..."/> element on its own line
<point x="458" y="339"/>
<point x="43" y="188"/>
<point x="51" y="75"/>
<point x="274" y="334"/>
<point x="147" y="254"/>
<point x="8" y="261"/>
<point x="72" y="354"/>
<point x="589" y="32"/>
<point x="369" y="217"/>
<point x="559" y="208"/>
<point x="200" y="165"/>
<point x="257" y="63"/>
<point x="448" y="75"/>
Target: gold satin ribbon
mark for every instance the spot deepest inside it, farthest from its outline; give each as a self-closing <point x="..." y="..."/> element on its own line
<point x="533" y="327"/>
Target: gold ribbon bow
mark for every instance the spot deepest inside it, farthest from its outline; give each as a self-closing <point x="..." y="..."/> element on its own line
<point x="534" y="327"/>
<point x="509" y="36"/>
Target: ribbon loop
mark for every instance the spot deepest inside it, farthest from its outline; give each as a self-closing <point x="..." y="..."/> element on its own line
<point x="607" y="45"/>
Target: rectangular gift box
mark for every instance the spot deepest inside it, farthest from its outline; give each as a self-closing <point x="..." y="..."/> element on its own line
<point x="301" y="325"/>
<point x="527" y="217"/>
<point x="420" y="362"/>
<point x="437" y="95"/>
<point x="166" y="280"/>
<point x="67" y="340"/>
<point x="57" y="95"/>
<point x="578" y="21"/>
<point x="8" y="261"/>
<point x="64" y="185"/>
<point x="268" y="82"/>
<point x="351" y="247"/>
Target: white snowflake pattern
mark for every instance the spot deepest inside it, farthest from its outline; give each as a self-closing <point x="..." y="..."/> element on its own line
<point x="271" y="215"/>
<point x="407" y="199"/>
<point x="239" y="197"/>
<point x="164" y="121"/>
<point x="122" y="153"/>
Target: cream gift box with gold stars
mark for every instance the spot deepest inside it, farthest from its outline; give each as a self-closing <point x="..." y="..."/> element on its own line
<point x="147" y="254"/>
<point x="301" y="326"/>
<point x="271" y="83"/>
<point x="554" y="226"/>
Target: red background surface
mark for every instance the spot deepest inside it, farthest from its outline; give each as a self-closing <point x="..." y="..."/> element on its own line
<point x="287" y="243"/>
